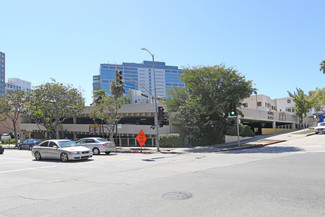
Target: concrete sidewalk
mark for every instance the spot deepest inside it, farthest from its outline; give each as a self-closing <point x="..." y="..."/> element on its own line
<point x="256" y="142"/>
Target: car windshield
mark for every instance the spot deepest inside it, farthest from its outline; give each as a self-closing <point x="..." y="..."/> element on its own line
<point x="67" y="143"/>
<point x="321" y="124"/>
<point x="102" y="140"/>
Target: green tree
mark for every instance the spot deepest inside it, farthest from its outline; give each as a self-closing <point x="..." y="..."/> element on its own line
<point x="98" y="94"/>
<point x="203" y="105"/>
<point x="302" y="103"/>
<point x="11" y="106"/>
<point x="104" y="113"/>
<point x="322" y="66"/>
<point x="52" y="103"/>
<point x="104" y="110"/>
<point x="317" y="99"/>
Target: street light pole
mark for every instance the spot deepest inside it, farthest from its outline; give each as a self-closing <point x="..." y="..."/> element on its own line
<point x="155" y="94"/>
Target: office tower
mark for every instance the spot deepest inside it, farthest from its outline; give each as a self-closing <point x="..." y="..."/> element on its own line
<point x="139" y="76"/>
<point x="2" y="73"/>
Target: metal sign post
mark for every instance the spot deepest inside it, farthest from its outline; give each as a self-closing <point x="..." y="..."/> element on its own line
<point x="141" y="139"/>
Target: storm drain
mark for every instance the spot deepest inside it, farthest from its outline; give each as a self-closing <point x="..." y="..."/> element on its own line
<point x="177" y="195"/>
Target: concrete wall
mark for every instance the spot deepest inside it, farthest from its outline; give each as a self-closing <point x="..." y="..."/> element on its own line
<point x="125" y="130"/>
<point x="230" y="139"/>
<point x="266" y="131"/>
<point x="253" y="114"/>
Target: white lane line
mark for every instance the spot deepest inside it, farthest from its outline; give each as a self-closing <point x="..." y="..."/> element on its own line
<point x="33" y="168"/>
<point x="15" y="159"/>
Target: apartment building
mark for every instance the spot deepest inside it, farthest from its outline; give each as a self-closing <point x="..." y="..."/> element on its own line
<point x="285" y="105"/>
<point x="259" y="102"/>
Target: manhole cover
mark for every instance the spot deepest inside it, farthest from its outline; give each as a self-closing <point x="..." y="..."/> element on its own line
<point x="177" y="195"/>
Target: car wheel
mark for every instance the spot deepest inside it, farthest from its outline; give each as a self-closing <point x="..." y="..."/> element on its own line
<point x="64" y="157"/>
<point x="108" y="152"/>
<point x="37" y="156"/>
<point x="96" y="151"/>
<point x="19" y="147"/>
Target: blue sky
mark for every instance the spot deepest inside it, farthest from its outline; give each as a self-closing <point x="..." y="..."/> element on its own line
<point x="278" y="44"/>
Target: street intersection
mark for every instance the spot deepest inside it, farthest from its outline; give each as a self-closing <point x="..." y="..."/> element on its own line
<point x="283" y="179"/>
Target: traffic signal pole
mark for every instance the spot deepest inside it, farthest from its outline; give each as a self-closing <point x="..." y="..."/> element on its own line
<point x="156" y="107"/>
<point x="238" y="140"/>
<point x="233" y="112"/>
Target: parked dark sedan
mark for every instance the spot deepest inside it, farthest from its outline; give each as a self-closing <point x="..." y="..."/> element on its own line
<point x="29" y="143"/>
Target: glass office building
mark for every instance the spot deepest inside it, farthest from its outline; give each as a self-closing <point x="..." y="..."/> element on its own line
<point x="2" y="73"/>
<point x="19" y="84"/>
<point x="139" y="76"/>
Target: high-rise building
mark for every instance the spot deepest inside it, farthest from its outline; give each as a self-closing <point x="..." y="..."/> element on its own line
<point x="19" y="84"/>
<point x="139" y="76"/>
<point x="2" y="73"/>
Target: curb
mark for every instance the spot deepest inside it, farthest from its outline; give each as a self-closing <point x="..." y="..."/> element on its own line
<point x="252" y="146"/>
<point x="170" y="151"/>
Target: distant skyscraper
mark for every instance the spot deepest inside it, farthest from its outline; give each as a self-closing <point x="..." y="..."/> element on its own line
<point x="139" y="76"/>
<point x="18" y="84"/>
<point x="2" y="73"/>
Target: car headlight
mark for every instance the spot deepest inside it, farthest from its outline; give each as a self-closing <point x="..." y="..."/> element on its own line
<point x="74" y="152"/>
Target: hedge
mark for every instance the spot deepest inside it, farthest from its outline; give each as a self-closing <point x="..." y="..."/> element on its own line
<point x="244" y="131"/>
<point x="171" y="140"/>
<point x="7" y="141"/>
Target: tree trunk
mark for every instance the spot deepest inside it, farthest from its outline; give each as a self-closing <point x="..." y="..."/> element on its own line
<point x="15" y="134"/>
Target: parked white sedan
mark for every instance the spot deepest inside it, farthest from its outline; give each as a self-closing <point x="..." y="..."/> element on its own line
<point x="97" y="145"/>
<point x="60" y="149"/>
<point x="320" y="128"/>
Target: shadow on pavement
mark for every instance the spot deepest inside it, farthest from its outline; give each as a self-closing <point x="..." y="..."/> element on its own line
<point x="266" y="149"/>
<point x="199" y="149"/>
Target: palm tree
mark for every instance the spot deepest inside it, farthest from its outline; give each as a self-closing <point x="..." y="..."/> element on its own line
<point x="322" y="66"/>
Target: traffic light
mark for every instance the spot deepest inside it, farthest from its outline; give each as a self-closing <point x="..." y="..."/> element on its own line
<point x="118" y="77"/>
<point x="233" y="111"/>
<point x="161" y="114"/>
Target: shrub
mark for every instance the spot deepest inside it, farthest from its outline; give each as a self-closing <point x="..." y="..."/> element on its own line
<point x="244" y="131"/>
<point x="247" y="131"/>
<point x="231" y="131"/>
<point x="7" y="141"/>
<point x="171" y="140"/>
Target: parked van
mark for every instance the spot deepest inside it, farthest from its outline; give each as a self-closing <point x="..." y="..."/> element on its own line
<point x="5" y="136"/>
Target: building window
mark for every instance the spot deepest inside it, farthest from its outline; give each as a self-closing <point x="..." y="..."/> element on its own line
<point x="259" y="103"/>
<point x="289" y="101"/>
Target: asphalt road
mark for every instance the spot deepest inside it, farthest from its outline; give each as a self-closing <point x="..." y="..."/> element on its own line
<point x="286" y="179"/>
